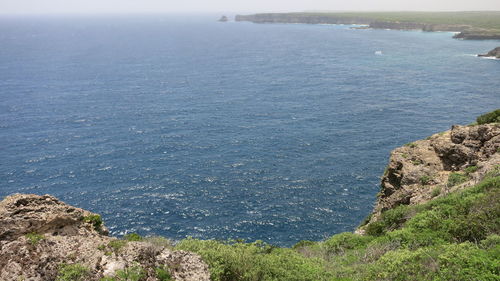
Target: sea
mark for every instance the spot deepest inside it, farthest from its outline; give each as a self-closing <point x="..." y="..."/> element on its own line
<point x="182" y="126"/>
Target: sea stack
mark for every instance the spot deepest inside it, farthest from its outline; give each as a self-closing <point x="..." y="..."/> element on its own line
<point x="223" y="19"/>
<point x="495" y="53"/>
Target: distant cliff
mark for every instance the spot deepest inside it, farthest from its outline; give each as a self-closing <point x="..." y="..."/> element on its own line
<point x="400" y="21"/>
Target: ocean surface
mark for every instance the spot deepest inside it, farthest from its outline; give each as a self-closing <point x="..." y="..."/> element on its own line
<point x="184" y="126"/>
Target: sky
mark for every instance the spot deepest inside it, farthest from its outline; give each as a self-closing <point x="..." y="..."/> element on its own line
<point x="237" y="6"/>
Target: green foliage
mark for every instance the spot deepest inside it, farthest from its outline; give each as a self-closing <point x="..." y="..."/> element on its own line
<point x="132" y="237"/>
<point x="134" y="273"/>
<point x="417" y="162"/>
<point x="231" y="261"/>
<point x="453" y="237"/>
<point x="342" y="242"/>
<point x="471" y="169"/>
<point x="444" y="262"/>
<point x="34" y="238"/>
<point x="456" y="179"/>
<point x="72" y="272"/>
<point x="425" y="180"/>
<point x="117" y="245"/>
<point x="411" y="145"/>
<point x="162" y="274"/>
<point x="95" y="220"/>
<point x="436" y="191"/>
<point x="490" y="117"/>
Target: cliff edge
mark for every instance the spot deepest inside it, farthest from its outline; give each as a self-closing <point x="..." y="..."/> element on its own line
<point x="42" y="238"/>
<point x="439" y="165"/>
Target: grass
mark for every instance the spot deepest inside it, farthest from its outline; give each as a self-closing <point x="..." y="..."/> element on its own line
<point x="456" y="178"/>
<point x="34" y="238"/>
<point x="72" y="272"/>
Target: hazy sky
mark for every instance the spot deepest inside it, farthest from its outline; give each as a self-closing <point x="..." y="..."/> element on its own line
<point x="141" y="6"/>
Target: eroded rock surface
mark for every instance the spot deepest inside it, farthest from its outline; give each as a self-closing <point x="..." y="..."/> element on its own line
<point x="419" y="171"/>
<point x="40" y="234"/>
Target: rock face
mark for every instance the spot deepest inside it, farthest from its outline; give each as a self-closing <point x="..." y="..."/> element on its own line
<point x="39" y="235"/>
<point x="417" y="170"/>
<point x="495" y="53"/>
<point x="223" y="19"/>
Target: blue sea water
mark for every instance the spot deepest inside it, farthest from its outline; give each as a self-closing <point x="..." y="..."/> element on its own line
<point x="184" y="126"/>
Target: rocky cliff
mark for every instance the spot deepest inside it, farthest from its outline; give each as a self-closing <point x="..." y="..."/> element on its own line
<point x="495" y="53"/>
<point x="438" y="165"/>
<point x="42" y="238"/>
<point x="465" y="31"/>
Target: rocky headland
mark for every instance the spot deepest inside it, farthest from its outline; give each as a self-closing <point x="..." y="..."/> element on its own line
<point x="495" y="53"/>
<point x="441" y="164"/>
<point x="375" y="21"/>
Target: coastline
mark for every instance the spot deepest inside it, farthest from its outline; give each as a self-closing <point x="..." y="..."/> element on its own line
<point x="470" y="31"/>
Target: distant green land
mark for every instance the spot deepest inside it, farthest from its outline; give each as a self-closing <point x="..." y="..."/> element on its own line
<point x="472" y="25"/>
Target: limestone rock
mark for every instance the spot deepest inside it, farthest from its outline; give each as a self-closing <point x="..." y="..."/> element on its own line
<point x="39" y="234"/>
<point x="417" y="169"/>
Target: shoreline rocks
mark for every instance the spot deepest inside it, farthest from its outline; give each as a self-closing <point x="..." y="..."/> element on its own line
<point x="495" y="53"/>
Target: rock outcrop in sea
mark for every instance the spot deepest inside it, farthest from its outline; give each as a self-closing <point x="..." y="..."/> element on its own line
<point x="495" y="53"/>
<point x="441" y="164"/>
<point x="223" y="19"/>
<point x="42" y="238"/>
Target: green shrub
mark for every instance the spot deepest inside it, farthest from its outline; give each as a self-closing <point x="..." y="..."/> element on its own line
<point x="134" y="273"/>
<point x="72" y="272"/>
<point x="162" y="274"/>
<point x="444" y="262"/>
<point x="342" y="242"/>
<point x="490" y="117"/>
<point x="425" y="180"/>
<point x="230" y="261"/>
<point x="303" y="243"/>
<point x="117" y="245"/>
<point x="411" y="145"/>
<point x="34" y="238"/>
<point x="417" y="162"/>
<point x="470" y="170"/>
<point x="95" y="220"/>
<point x="456" y="179"/>
<point x="436" y="191"/>
<point x="132" y="237"/>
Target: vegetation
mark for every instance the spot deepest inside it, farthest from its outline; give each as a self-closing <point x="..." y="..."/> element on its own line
<point x="456" y="179"/>
<point x="72" y="272"/>
<point x="162" y="274"/>
<point x="117" y="245"/>
<point x="453" y="237"/>
<point x="490" y="117"/>
<point x="134" y="273"/>
<point x="132" y="237"/>
<point x="478" y="20"/>
<point x="95" y="220"/>
<point x="34" y="238"/>
<point x="425" y="180"/>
